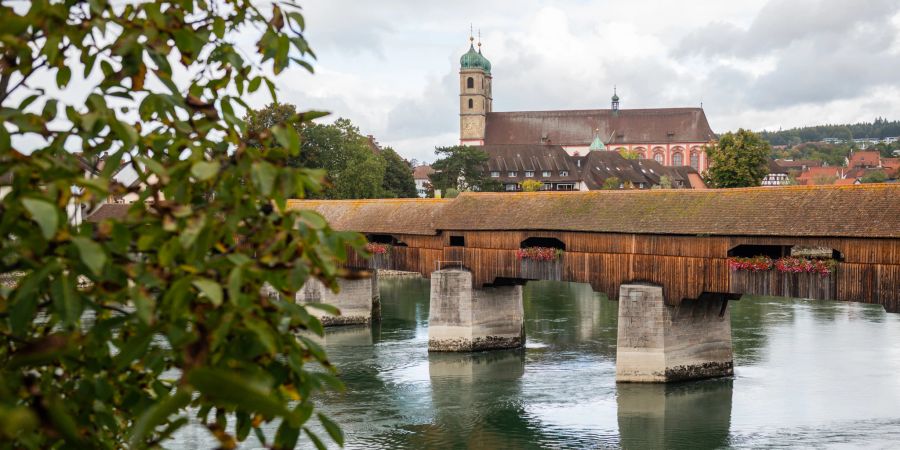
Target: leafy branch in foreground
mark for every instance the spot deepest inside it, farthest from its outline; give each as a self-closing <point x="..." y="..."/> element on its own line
<point x="114" y="332"/>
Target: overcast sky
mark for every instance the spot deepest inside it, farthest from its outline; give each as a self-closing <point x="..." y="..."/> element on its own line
<point x="391" y="66"/>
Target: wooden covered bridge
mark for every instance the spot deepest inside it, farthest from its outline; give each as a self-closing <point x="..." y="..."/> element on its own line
<point x="673" y="259"/>
<point x="678" y="239"/>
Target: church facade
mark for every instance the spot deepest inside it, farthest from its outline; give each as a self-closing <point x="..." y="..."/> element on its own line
<point x="670" y="136"/>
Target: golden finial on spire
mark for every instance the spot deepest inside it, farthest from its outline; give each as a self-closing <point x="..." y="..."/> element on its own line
<point x="471" y="33"/>
<point x="479" y="39"/>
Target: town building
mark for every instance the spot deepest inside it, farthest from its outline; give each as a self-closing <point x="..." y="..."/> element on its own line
<point x="670" y="136"/>
<point x="558" y="170"/>
<point x="420" y="176"/>
<point x="777" y="176"/>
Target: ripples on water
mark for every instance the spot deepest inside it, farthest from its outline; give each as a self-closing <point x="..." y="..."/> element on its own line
<point x="808" y="374"/>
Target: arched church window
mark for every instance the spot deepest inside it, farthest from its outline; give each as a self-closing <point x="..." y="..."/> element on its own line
<point x="470" y="83"/>
<point x="659" y="158"/>
<point x="677" y="160"/>
<point x="695" y="160"/>
<point x="471" y="103"/>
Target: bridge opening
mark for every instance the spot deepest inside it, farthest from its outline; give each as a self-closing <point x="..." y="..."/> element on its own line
<point x="749" y="251"/>
<point x="543" y="242"/>
<point x="779" y="251"/>
<point x="382" y="239"/>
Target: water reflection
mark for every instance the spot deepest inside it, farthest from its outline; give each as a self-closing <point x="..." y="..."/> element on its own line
<point x="685" y="415"/>
<point x="808" y="374"/>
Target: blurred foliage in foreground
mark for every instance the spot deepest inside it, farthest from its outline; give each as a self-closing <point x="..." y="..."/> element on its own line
<point x="116" y="331"/>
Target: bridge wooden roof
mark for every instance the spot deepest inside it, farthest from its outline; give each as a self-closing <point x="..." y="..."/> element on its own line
<point x="389" y="216"/>
<point x="840" y="211"/>
<point x="871" y="210"/>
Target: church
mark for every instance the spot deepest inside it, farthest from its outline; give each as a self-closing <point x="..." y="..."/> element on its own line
<point x="671" y="137"/>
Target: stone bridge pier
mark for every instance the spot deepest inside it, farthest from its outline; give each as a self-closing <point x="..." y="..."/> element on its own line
<point x="357" y="300"/>
<point x="463" y="319"/>
<point x="661" y="343"/>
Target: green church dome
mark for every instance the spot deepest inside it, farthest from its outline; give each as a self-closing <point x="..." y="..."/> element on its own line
<point x="474" y="60"/>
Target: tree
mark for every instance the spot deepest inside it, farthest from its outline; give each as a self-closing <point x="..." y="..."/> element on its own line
<point x="114" y="333"/>
<point x="398" y="176"/>
<point x="461" y="167"/>
<point x="875" y="176"/>
<point x="738" y="160"/>
<point x="451" y="193"/>
<point x="630" y="154"/>
<point x="352" y="169"/>
<point x="611" y="183"/>
<point x="665" y="182"/>
<point x="532" y="185"/>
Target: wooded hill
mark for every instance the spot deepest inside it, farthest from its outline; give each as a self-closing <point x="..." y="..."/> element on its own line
<point x="880" y="128"/>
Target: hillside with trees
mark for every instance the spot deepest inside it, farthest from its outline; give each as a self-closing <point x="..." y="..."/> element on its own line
<point x="808" y="142"/>
<point x="880" y="128"/>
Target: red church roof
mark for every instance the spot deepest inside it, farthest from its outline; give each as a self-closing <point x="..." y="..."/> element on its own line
<point x="631" y="126"/>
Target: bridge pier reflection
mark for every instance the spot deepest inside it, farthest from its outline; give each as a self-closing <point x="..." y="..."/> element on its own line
<point x="463" y="319"/>
<point x="685" y="415"/>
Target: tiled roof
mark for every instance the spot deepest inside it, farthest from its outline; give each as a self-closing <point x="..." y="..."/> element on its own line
<point x="798" y="163"/>
<point x="580" y="127"/>
<point x="109" y="211"/>
<point x="406" y="216"/>
<point x="533" y="158"/>
<point x="868" y="210"/>
<point x="422" y="172"/>
<point x="816" y="172"/>
<point x="593" y="169"/>
<point x="865" y="159"/>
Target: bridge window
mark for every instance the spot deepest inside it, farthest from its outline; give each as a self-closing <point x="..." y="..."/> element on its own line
<point x="381" y="239"/>
<point x="457" y="241"/>
<point x="749" y="251"/>
<point x="543" y="242"/>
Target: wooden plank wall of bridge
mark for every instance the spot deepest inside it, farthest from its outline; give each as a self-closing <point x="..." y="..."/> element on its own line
<point x="685" y="266"/>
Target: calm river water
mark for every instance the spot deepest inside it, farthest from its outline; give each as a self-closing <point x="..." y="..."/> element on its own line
<point x="807" y="374"/>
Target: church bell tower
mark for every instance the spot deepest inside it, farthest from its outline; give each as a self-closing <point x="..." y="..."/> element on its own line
<point x="474" y="94"/>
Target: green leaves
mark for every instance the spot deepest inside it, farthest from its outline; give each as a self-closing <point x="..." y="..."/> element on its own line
<point x="263" y="175"/>
<point x="44" y="213"/>
<point x="157" y="413"/>
<point x="91" y="253"/>
<point x="333" y="429"/>
<point x="210" y="289"/>
<point x="232" y="389"/>
<point x="185" y="263"/>
<point x="287" y="137"/>
<point x="204" y="170"/>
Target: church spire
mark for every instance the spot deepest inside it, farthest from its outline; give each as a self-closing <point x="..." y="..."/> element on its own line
<point x="615" y="100"/>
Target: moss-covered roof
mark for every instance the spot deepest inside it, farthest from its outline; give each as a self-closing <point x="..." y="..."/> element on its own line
<point x="389" y="216"/>
<point x="861" y="211"/>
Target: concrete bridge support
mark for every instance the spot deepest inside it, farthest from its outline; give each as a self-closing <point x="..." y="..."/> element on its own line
<point x="658" y="343"/>
<point x="463" y="319"/>
<point x="357" y="299"/>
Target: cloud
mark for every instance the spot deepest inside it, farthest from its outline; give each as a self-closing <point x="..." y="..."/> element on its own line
<point x="391" y="67"/>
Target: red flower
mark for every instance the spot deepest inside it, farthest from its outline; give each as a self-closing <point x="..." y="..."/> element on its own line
<point x="377" y="249"/>
<point x="539" y="253"/>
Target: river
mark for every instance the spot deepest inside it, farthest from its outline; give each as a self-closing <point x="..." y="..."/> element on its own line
<point x="807" y="374"/>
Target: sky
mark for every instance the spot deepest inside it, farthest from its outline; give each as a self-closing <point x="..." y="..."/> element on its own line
<point x="392" y="66"/>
